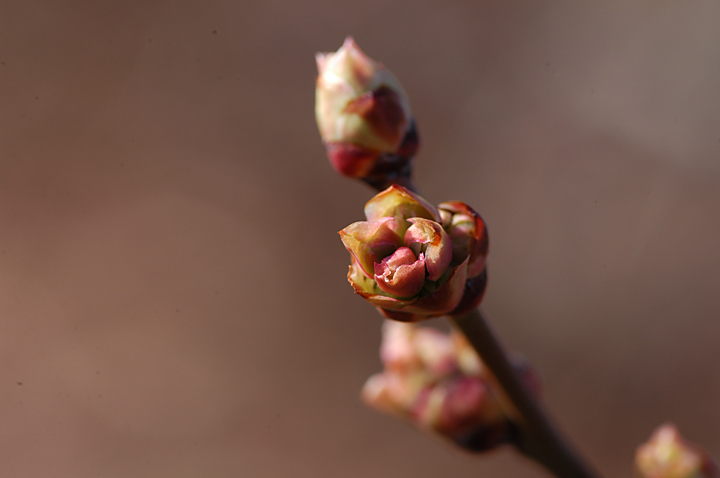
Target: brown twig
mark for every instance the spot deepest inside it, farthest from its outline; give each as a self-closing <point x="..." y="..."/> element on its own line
<point x="538" y="438"/>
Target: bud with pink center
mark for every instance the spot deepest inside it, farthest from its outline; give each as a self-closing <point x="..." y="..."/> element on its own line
<point x="412" y="260"/>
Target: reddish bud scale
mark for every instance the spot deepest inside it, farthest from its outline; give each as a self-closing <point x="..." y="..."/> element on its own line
<point x="351" y="160"/>
<point x="381" y="108"/>
<point x="469" y="234"/>
<point x="473" y="294"/>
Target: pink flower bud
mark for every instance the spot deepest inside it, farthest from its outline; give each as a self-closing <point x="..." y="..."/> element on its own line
<point x="398" y="351"/>
<point x="410" y="277"/>
<point x="668" y="455"/>
<point x="412" y="260"/>
<point x="401" y="274"/>
<point x="406" y="347"/>
<point x="362" y="111"/>
<point x="424" y="382"/>
<point x="469" y="404"/>
<point x="469" y="235"/>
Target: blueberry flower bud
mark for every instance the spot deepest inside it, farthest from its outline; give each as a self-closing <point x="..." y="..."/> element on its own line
<point x="668" y="455"/>
<point x="436" y="381"/>
<point x="362" y="113"/>
<point x="402" y="257"/>
<point x="413" y="260"/>
<point x="469" y="234"/>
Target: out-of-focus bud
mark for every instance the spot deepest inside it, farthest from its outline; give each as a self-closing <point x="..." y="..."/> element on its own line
<point x="668" y="455"/>
<point x="457" y="406"/>
<point x="437" y="382"/>
<point x="363" y="116"/>
<point x="407" y="348"/>
<point x="412" y="260"/>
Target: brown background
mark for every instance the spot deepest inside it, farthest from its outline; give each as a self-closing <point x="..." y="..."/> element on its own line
<point x="172" y="291"/>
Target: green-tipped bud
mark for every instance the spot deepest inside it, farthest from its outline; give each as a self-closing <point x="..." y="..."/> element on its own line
<point x="668" y="455"/>
<point x="363" y="115"/>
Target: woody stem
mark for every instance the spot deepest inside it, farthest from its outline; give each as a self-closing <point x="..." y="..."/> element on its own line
<point x="538" y="438"/>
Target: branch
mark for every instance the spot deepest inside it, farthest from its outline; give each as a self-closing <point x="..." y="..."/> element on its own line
<point x="538" y="438"/>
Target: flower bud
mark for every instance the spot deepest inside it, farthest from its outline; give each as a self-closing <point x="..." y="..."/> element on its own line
<point x="470" y="239"/>
<point x="405" y="348"/>
<point x="412" y="260"/>
<point x="426" y="382"/>
<point x="363" y="115"/>
<point x="458" y="405"/>
<point x="469" y="234"/>
<point x="668" y="455"/>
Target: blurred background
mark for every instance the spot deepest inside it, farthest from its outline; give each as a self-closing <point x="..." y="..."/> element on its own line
<point x="173" y="299"/>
